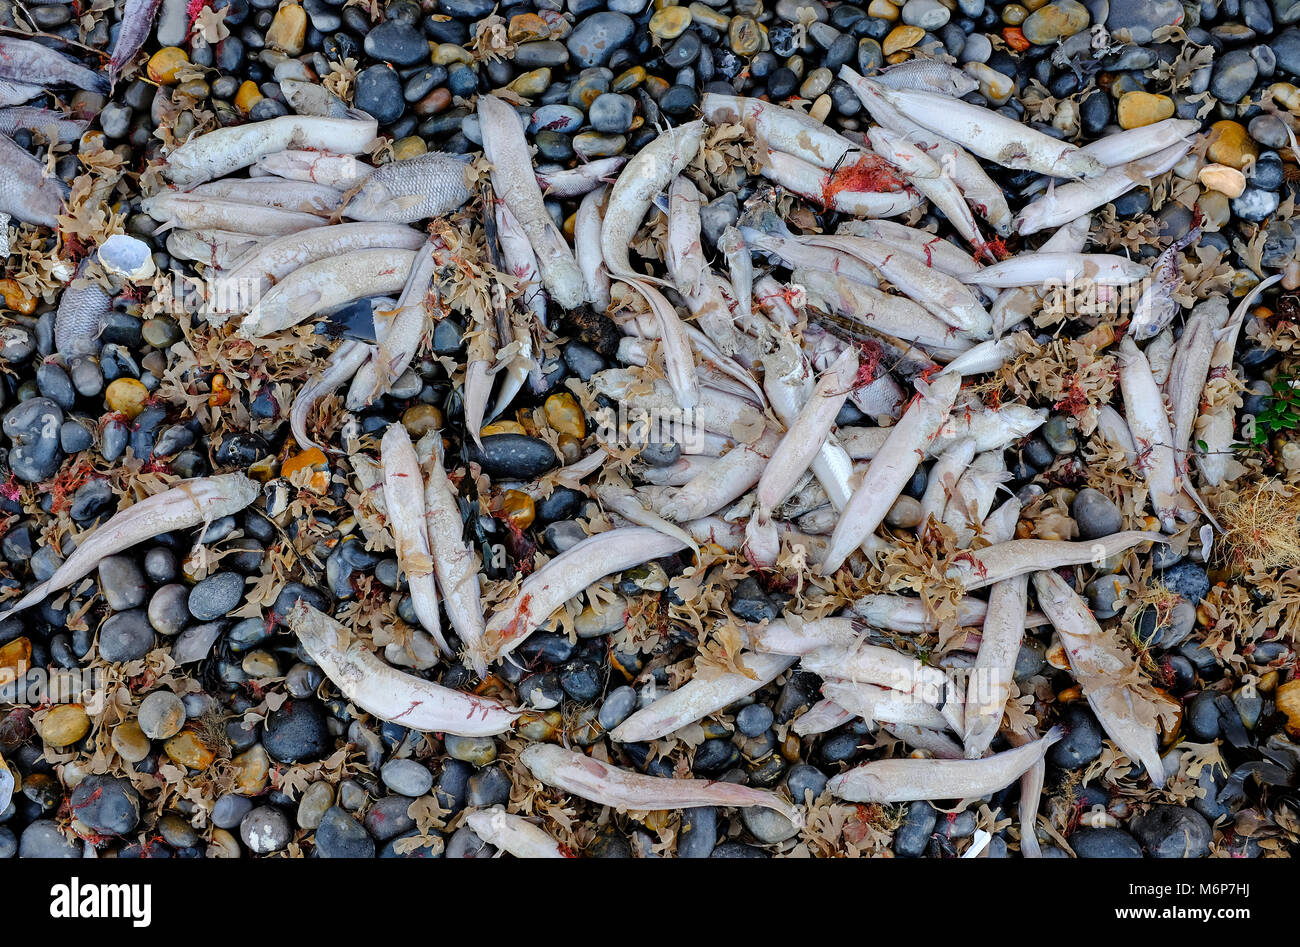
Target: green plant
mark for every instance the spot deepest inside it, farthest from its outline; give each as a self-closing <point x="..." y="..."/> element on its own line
<point x="1282" y="413"/>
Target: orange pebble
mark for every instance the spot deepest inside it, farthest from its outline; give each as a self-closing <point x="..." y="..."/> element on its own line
<point x="1015" y="38"/>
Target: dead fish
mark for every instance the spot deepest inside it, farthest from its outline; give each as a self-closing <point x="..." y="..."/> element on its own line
<point x="927" y="75"/>
<point x="26" y="191"/>
<point x="24" y="60"/>
<point x="80" y="319"/>
<point x="428" y="185"/>
<point x="42" y="120"/>
<point x="16" y="93"/>
<point x="137" y="24"/>
<point x="308" y="98"/>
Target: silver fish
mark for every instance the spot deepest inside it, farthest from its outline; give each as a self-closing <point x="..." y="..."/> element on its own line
<point x="16" y="93"/>
<point x="308" y="98"/>
<point x="26" y="61"/>
<point x="26" y="192"/>
<point x="1157" y="306"/>
<point x="927" y="75"/>
<point x="137" y="24"/>
<point x="80" y="319"/>
<point x="429" y="185"/>
<point x="41" y="120"/>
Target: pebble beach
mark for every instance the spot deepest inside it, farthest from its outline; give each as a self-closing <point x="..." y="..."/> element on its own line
<point x="337" y="346"/>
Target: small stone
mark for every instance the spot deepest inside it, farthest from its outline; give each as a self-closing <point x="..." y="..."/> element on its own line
<point x="670" y="22"/>
<point x="925" y="14"/>
<point x="1104" y="843"/>
<point x="514" y="456"/>
<point x="1138" y="109"/>
<point x="905" y="513"/>
<point x="339" y="835"/>
<point x="188" y="750"/>
<point x="316" y="800"/>
<point x="1221" y="178"/>
<point x="398" y="43"/>
<point x="1256" y="205"/>
<point x="1234" y="74"/>
<point x="216" y="595"/>
<point x="126" y="396"/>
<point x="161" y="715"/>
<point x="105" y="805"/>
<point x="288" y="30"/>
<point x="297" y="732"/>
<point x="913" y="836"/>
<point x="379" y="92"/>
<point x="767" y="825"/>
<point x="264" y="830"/>
<point x="126" y="636"/>
<point x="1096" y="514"/>
<point x="1168" y="831"/>
<point x="64" y="724"/>
<point x="129" y="742"/>
<point x="407" y="778"/>
<point x="1230" y="145"/>
<point x="1082" y="742"/>
<point x="1055" y="21"/>
<point x="478" y="751"/>
<point x="166" y="64"/>
<point x="122" y="583"/>
<point x="900" y="38"/>
<point x="597" y="37"/>
<point x="744" y="36"/>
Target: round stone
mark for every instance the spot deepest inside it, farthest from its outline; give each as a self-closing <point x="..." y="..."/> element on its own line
<point x="339" y="835"/>
<point x="216" y="595"/>
<point x="612" y="113"/>
<point x="1055" y="21"/>
<point x="396" y="42"/>
<point x="264" y="830"/>
<point x="1137" y="109"/>
<point x="597" y="37"/>
<point x="161" y="715"/>
<point x="407" y="778"/>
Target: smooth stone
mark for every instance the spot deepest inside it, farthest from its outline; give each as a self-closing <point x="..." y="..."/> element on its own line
<point x="316" y="800"/>
<point x="1104" y="843"/>
<point x="1082" y="742"/>
<point x="216" y="595"/>
<point x="264" y="830"/>
<point x="596" y="38"/>
<point x="1139" y="18"/>
<point x="122" y="583"/>
<point x="297" y="732"/>
<point x="407" y="778"/>
<point x="106" y="805"/>
<point x="698" y="832"/>
<point x="1255" y="205"/>
<point x="125" y="636"/>
<point x="396" y="42"/>
<point x="767" y="825"/>
<point x="379" y="92"/>
<point x="339" y="835"/>
<point x="1234" y="74"/>
<point x="1168" y="831"/>
<point x="926" y="14"/>
<point x="42" y="839"/>
<point x="1096" y="514"/>
<point x="564" y="119"/>
<point x="612" y="113"/>
<point x="161" y="715"/>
